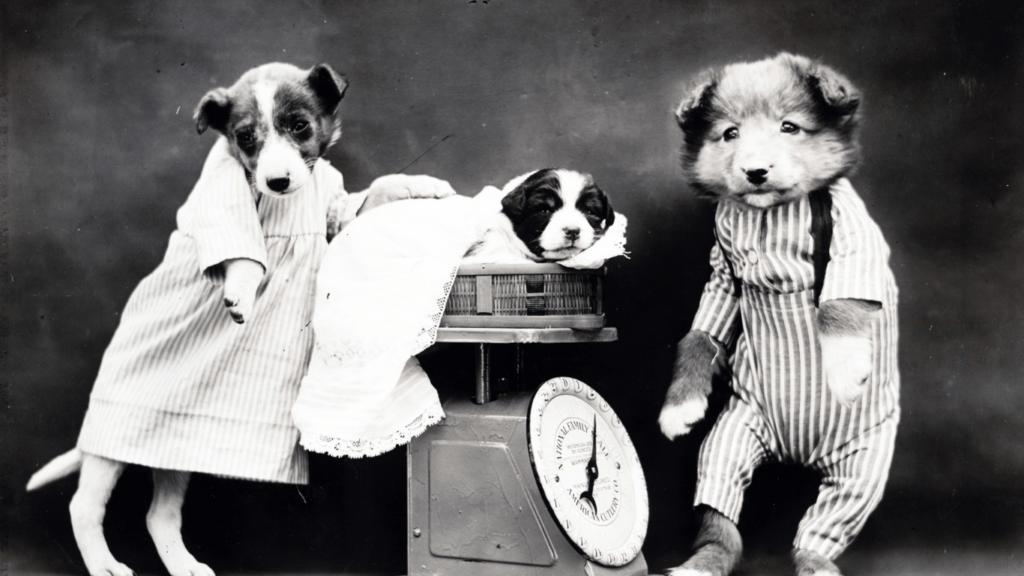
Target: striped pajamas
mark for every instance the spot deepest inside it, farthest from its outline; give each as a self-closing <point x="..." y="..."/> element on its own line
<point x="181" y="386"/>
<point x="781" y="409"/>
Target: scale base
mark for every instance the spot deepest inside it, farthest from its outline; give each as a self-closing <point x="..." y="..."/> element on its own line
<point x="474" y="504"/>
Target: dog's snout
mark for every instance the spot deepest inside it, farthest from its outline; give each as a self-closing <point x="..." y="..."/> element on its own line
<point x="757" y="176"/>
<point x="278" y="184"/>
<point x="571" y="232"/>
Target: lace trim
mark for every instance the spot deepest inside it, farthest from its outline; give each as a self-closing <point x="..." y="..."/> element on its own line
<point x="365" y="448"/>
<point x="428" y="332"/>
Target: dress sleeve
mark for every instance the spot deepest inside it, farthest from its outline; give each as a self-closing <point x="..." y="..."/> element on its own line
<point x="720" y="304"/>
<point x="859" y="265"/>
<point x="342" y="206"/>
<point x="342" y="209"/>
<point x="220" y="214"/>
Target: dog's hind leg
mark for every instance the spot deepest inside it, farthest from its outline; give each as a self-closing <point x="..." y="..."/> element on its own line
<point x="716" y="550"/>
<point x="853" y="482"/>
<point x="164" y="523"/>
<point x="810" y="563"/>
<point x="88" y="507"/>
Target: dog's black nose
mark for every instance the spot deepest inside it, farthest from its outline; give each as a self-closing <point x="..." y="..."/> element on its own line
<point x="757" y="176"/>
<point x="571" y="232"/>
<point x="278" y="184"/>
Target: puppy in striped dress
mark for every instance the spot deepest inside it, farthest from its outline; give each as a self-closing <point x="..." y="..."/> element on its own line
<point x="206" y="363"/>
<point x="801" y="293"/>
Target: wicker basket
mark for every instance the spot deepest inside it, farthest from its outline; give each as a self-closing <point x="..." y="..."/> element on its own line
<point x="525" y="296"/>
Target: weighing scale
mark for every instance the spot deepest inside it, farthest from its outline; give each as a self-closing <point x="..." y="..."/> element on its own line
<point x="542" y="481"/>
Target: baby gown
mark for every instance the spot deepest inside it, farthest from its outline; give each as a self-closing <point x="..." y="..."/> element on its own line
<point x="380" y="294"/>
<point x="183" y="387"/>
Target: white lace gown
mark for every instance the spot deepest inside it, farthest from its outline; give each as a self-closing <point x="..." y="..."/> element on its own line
<point x="181" y="386"/>
<point x="380" y="294"/>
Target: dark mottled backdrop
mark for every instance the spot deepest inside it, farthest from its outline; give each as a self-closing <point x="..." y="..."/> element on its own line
<point x="99" y="150"/>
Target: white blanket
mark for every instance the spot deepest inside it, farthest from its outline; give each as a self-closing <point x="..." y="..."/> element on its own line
<point x="380" y="294"/>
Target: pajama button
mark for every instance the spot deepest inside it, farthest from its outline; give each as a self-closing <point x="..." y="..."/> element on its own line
<point x="752" y="257"/>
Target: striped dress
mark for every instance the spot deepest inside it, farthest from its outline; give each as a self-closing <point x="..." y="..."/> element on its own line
<point x="183" y="387"/>
<point x="781" y="409"/>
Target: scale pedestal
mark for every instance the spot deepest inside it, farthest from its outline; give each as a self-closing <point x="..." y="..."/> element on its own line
<point x="474" y="503"/>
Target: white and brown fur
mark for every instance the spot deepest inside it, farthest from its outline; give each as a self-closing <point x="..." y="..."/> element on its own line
<point x="546" y="215"/>
<point x="761" y="134"/>
<point x="279" y="120"/>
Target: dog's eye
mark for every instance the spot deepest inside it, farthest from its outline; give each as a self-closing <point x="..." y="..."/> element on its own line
<point x="300" y="126"/>
<point x="790" y="128"/>
<point x="246" y="137"/>
<point x="731" y="134"/>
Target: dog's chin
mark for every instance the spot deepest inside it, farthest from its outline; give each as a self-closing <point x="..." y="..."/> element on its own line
<point x="282" y="194"/>
<point x="762" y="197"/>
<point x="563" y="253"/>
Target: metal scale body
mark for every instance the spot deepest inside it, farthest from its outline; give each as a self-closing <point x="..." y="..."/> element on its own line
<point x="475" y="506"/>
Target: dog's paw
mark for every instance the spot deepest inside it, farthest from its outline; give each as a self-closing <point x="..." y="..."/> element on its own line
<point x="422" y="186"/>
<point x="847" y="364"/>
<point x="394" y="187"/>
<point x="708" y="560"/>
<point x="809" y="563"/>
<point x="678" y="419"/>
<point x="239" y="311"/>
<point x="193" y="568"/>
<point x="242" y="278"/>
<point x="239" y="305"/>
<point x="683" y="571"/>
<point x="110" y="567"/>
<point x="687" y="398"/>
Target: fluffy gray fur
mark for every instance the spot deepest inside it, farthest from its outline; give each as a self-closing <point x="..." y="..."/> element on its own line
<point x="846" y="317"/>
<point x="809" y="563"/>
<point x="695" y="358"/>
<point x="718" y="546"/>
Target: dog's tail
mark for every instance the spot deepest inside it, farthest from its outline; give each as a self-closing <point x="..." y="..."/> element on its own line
<point x="61" y="466"/>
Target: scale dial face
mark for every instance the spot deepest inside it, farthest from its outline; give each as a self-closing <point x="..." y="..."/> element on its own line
<point x="588" y="471"/>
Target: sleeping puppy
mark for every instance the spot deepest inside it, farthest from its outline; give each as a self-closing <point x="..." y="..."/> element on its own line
<point x="548" y="215"/>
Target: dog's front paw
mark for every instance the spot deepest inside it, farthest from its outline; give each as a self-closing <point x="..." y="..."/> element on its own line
<point x="847" y="363"/>
<point x="242" y="278"/>
<point x="678" y="419"/>
<point x="687" y="397"/>
<point x="395" y="187"/>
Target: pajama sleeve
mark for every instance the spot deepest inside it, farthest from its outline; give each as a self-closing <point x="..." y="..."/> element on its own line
<point x="859" y="265"/>
<point x="220" y="214"/>
<point x="719" y="306"/>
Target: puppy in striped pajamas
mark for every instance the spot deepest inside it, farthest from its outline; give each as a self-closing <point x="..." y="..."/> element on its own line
<point x="801" y="291"/>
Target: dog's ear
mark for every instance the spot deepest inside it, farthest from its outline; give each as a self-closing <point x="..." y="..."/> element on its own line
<point x="609" y="218"/>
<point x="213" y="111"/>
<point x="833" y="93"/>
<point x="514" y="202"/>
<point x="608" y="213"/>
<point x="328" y="85"/>
<point x="691" y="114"/>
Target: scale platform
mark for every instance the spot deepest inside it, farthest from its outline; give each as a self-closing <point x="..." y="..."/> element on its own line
<point x="475" y="506"/>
